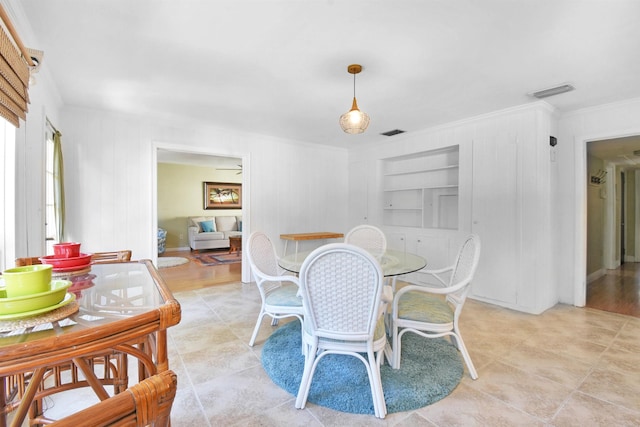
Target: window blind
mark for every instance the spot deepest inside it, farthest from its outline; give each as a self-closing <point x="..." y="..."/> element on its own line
<point x="14" y="73"/>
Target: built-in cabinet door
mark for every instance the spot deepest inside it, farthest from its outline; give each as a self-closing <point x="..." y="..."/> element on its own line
<point x="396" y="241"/>
<point x="495" y="215"/>
<point x="436" y="249"/>
<point x="358" y="194"/>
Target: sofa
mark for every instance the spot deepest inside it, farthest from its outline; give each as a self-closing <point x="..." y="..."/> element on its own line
<point x="162" y="240"/>
<point x="212" y="232"/>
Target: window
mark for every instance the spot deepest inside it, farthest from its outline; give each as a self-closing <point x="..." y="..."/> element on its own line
<point x="7" y="193"/>
<point x="50" y="214"/>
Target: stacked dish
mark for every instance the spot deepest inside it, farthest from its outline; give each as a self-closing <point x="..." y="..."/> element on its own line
<point x="29" y="291"/>
<point x="67" y="258"/>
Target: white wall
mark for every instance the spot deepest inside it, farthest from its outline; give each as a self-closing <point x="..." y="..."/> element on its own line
<point x="575" y="130"/>
<point x="24" y="208"/>
<point x="109" y="179"/>
<point x="30" y="153"/>
<point x="514" y="220"/>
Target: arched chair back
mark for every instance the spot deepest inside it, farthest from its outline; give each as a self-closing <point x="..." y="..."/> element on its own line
<point x="368" y="237"/>
<point x="434" y="311"/>
<point x="278" y="292"/>
<point x="342" y="294"/>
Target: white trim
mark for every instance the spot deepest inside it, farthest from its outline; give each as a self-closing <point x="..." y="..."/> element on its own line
<point x="246" y="194"/>
<point x="609" y="254"/>
<point x="601" y="107"/>
<point x="580" y="217"/>
<point x="179" y="249"/>
<point x="636" y="232"/>
<point x="7" y="194"/>
<point x="536" y="105"/>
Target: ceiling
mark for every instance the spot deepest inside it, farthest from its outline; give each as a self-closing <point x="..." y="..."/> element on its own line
<point x="198" y="159"/>
<point x="279" y="67"/>
<point x="619" y="151"/>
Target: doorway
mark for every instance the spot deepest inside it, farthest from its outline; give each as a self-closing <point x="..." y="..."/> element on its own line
<point x="612" y="267"/>
<point x="233" y="164"/>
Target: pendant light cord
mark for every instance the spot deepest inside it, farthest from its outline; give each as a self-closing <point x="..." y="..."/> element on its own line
<point x="354" y="85"/>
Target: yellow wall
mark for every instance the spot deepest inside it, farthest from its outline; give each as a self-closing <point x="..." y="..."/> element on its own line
<point x="181" y="195"/>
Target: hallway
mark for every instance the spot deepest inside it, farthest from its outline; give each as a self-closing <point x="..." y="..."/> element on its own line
<point x="618" y="291"/>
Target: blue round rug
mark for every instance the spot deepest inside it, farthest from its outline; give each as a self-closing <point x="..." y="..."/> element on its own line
<point x="430" y="370"/>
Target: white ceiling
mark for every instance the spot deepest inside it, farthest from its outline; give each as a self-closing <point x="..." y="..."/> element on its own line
<point x="278" y="67"/>
<point x="619" y="151"/>
<point x="197" y="159"/>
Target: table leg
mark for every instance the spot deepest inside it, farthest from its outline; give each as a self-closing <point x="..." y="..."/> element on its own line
<point x="285" y="248"/>
<point x="162" y="359"/>
<point x="3" y="401"/>
<point x="91" y="378"/>
<point x="28" y="396"/>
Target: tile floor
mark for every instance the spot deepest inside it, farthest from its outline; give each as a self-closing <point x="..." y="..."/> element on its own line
<point x="567" y="367"/>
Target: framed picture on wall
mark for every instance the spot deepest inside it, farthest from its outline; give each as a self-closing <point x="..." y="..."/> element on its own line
<point x="222" y="195"/>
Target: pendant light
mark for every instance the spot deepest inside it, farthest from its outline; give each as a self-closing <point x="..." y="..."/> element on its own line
<point x="354" y="121"/>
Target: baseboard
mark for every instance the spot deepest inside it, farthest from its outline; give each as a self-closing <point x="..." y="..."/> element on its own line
<point x="595" y="275"/>
<point x="184" y="248"/>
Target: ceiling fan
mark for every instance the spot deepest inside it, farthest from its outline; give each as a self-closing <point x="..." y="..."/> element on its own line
<point x="234" y="169"/>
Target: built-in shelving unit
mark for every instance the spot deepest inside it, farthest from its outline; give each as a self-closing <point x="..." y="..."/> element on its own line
<point x="421" y="189"/>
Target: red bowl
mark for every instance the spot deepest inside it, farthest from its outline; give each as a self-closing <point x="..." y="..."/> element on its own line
<point x="57" y="262"/>
<point x="66" y="250"/>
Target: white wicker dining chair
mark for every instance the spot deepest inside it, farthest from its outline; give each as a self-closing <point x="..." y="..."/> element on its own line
<point x="368" y="237"/>
<point x="279" y="293"/>
<point x="344" y="301"/>
<point x="434" y="312"/>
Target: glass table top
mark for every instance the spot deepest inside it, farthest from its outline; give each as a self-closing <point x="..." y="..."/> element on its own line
<point x="393" y="263"/>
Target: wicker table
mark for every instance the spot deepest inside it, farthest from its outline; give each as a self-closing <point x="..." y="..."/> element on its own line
<point x="125" y="311"/>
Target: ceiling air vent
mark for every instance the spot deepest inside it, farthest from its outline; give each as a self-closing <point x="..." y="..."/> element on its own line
<point x="545" y="93"/>
<point x="392" y="132"/>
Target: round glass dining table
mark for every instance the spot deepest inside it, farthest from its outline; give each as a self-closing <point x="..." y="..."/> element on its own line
<point x="393" y="263"/>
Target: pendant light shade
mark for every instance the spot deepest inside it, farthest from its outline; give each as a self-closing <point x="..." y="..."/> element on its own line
<point x="354" y="121"/>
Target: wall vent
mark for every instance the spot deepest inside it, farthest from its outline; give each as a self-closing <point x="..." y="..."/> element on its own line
<point x="545" y="93"/>
<point x="392" y="132"/>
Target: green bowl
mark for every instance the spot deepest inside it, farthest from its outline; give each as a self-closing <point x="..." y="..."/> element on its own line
<point x="35" y="301"/>
<point x="27" y="280"/>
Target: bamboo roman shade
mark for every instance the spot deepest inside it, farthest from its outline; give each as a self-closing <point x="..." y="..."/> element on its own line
<point x="14" y="73"/>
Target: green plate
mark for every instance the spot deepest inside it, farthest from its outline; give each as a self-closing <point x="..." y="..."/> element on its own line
<point x="30" y="303"/>
<point x="68" y="298"/>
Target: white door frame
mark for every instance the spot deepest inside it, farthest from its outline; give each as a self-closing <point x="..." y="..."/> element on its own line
<point x="246" y="194"/>
<point x="580" y="214"/>
<point x="610" y="228"/>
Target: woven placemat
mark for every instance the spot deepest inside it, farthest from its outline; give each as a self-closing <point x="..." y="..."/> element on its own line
<point x="51" y="316"/>
<point x="65" y="274"/>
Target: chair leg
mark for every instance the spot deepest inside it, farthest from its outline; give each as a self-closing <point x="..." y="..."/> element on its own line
<point x="377" y="393"/>
<point x="396" y="348"/>
<point x="465" y="355"/>
<point x="257" y="328"/>
<point x="307" y="376"/>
